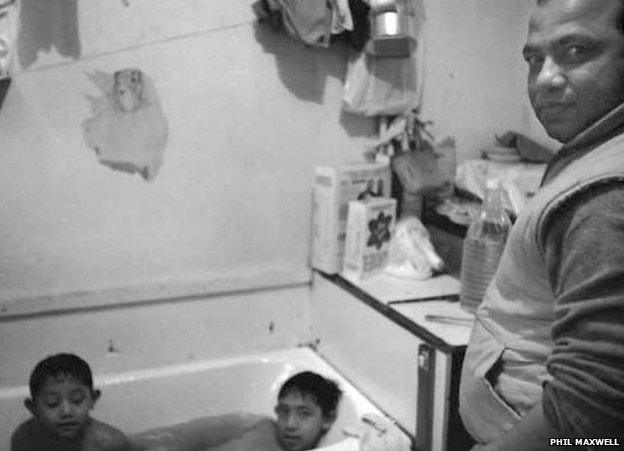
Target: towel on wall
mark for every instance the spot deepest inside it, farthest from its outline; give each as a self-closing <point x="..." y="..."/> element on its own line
<point x="308" y="21"/>
<point x="9" y="27"/>
<point x="342" y="18"/>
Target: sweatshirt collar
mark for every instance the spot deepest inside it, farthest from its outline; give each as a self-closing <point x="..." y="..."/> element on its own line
<point x="607" y="127"/>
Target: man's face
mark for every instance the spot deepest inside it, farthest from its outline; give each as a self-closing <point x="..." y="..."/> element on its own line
<point x="300" y="422"/>
<point x="62" y="406"/>
<point x="575" y="53"/>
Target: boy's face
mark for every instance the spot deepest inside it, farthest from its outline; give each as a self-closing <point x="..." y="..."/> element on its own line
<point x="300" y="422"/>
<point x="62" y="405"/>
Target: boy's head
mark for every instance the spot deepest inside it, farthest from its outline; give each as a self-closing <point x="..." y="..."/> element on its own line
<point x="306" y="408"/>
<point x="62" y="394"/>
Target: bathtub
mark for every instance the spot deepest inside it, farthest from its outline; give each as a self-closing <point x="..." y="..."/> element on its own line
<point x="140" y="400"/>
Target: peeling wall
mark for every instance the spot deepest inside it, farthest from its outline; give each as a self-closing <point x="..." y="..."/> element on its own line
<point x="250" y="112"/>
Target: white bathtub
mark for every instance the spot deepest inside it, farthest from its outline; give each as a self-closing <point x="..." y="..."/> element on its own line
<point x="139" y="400"/>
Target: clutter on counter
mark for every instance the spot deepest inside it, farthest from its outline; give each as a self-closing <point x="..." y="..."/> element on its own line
<point x="411" y="254"/>
<point x="520" y="180"/>
<point x="526" y="148"/>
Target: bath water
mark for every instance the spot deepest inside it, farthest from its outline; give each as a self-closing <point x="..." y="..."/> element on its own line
<point x="235" y="431"/>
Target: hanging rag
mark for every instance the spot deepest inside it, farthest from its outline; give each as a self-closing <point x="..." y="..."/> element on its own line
<point x="342" y="18"/>
<point x="268" y="11"/>
<point x="9" y="25"/>
<point x="360" y="33"/>
<point x="308" y="21"/>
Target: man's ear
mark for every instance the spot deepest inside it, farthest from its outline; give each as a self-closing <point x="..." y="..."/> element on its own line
<point x="95" y="395"/>
<point x="30" y="405"/>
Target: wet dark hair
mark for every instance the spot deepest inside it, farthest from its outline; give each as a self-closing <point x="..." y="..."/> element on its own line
<point x="324" y="391"/>
<point x="57" y="365"/>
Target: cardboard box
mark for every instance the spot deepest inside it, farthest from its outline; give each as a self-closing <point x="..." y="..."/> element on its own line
<point x="334" y="187"/>
<point x="369" y="228"/>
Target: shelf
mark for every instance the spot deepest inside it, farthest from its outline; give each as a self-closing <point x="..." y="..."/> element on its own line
<point x="410" y="314"/>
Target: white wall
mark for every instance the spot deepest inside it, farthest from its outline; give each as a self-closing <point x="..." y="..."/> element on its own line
<point x="475" y="77"/>
<point x="250" y="112"/>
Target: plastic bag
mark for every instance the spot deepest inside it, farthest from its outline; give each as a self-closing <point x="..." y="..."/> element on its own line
<point x="380" y="86"/>
<point x="411" y="254"/>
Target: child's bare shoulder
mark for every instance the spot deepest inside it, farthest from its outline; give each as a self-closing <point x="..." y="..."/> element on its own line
<point x="100" y="436"/>
<point x="31" y="436"/>
<point x="28" y="436"/>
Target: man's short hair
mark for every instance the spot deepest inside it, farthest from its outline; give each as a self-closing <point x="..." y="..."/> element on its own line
<point x="57" y="365"/>
<point x="307" y="383"/>
<point x="620" y="24"/>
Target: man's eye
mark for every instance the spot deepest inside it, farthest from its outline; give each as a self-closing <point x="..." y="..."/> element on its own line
<point x="534" y="60"/>
<point x="304" y="413"/>
<point x="575" y="54"/>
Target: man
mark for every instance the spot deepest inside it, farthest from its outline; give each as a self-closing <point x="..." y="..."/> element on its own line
<point x="546" y="354"/>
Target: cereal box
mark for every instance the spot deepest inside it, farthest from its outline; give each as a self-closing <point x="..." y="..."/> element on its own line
<point x="334" y="187"/>
<point x="369" y="227"/>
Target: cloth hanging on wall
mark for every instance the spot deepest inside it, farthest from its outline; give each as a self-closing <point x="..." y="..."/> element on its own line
<point x="9" y="27"/>
<point x="378" y="86"/>
<point x="342" y="18"/>
<point x="308" y="21"/>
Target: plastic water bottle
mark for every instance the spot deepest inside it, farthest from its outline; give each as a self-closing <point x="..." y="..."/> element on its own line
<point x="483" y="246"/>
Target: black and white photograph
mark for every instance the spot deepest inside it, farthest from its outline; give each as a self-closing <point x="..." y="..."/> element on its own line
<point x="291" y="225"/>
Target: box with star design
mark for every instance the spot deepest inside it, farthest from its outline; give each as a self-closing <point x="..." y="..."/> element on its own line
<point x="370" y="224"/>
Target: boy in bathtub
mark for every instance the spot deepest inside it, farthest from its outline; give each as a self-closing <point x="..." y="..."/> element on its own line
<point x="307" y="405"/>
<point x="61" y="397"/>
<point x="306" y="409"/>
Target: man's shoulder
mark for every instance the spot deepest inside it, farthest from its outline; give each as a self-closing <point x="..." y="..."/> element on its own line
<point x="101" y="436"/>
